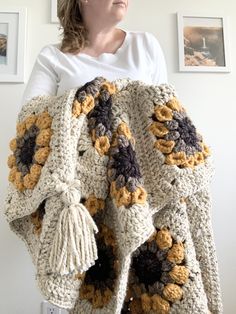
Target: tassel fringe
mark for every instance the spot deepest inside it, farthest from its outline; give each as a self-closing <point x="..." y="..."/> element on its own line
<point x="74" y="247"/>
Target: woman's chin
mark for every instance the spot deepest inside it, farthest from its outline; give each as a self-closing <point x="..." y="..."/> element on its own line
<point x="119" y="15"/>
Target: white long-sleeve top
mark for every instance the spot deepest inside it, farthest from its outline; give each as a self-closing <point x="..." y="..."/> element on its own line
<point x="140" y="57"/>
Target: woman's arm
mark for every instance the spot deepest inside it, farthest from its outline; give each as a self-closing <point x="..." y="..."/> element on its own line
<point x="44" y="78"/>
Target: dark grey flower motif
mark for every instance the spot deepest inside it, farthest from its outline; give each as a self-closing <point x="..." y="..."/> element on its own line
<point x="102" y="276"/>
<point x="162" y="254"/>
<point x="100" y="129"/>
<point x="91" y="123"/>
<point x="122" y="141"/>
<point x="120" y="181"/>
<point x="26" y="148"/>
<point x="102" y="271"/>
<point x="190" y="150"/>
<point x="171" y="125"/>
<point x="150" y="272"/>
<point x="114" y="151"/>
<point x="92" y="90"/>
<point x="109" y="134"/>
<point x="172" y="136"/>
<point x="180" y="146"/>
<point x="112" y="174"/>
<point x="186" y="129"/>
<point x="156" y="288"/>
<point x="153" y="247"/>
<point x="147" y="267"/>
<point x="91" y="87"/>
<point x="102" y="113"/>
<point x="110" y="163"/>
<point x="165" y="278"/>
<point x="104" y="95"/>
<point x="166" y="265"/>
<point x="132" y="184"/>
<point x="81" y="96"/>
<point x="126" y="163"/>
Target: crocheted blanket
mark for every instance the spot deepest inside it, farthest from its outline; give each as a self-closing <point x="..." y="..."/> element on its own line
<point x="109" y="190"/>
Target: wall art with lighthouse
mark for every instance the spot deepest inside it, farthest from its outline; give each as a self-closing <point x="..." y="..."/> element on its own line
<point x="203" y="43"/>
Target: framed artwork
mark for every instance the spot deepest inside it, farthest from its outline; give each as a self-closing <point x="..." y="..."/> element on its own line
<point x="12" y="44"/>
<point x="54" y="18"/>
<point x="203" y="43"/>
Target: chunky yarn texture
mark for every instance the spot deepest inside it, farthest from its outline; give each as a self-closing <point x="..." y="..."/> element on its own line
<point x="109" y="190"/>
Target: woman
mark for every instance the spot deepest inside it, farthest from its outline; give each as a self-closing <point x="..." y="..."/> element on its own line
<point x="93" y="46"/>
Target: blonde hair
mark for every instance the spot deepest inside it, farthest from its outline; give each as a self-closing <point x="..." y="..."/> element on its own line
<point x="74" y="31"/>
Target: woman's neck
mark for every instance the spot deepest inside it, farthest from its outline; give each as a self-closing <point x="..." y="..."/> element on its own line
<point x="105" y="40"/>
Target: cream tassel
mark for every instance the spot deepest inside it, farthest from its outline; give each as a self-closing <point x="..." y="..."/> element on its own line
<point x="74" y="246"/>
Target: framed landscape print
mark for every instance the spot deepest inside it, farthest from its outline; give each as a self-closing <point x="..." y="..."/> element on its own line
<point x="203" y="43"/>
<point x="54" y="18"/>
<point x="12" y="44"/>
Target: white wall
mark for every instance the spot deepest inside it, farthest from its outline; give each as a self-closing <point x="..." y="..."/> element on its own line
<point x="209" y="99"/>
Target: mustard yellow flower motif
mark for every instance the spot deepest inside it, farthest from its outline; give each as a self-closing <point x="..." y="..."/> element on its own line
<point x="111" y="88"/>
<point x="11" y="161"/>
<point x="12" y="174"/>
<point x="139" y="196"/>
<point x="199" y="158"/>
<point x="88" y="104"/>
<point x="30" y="150"/>
<point x="164" y="239"/>
<point x="160" y="305"/>
<point x="30" y="121"/>
<point x="109" y="237"/>
<point x="123" y="197"/>
<point x="205" y="150"/>
<point x="163" y="113"/>
<point x="176" y="253"/>
<point x="113" y="190"/>
<point x="123" y="129"/>
<point x="44" y="120"/>
<point x="76" y="108"/>
<point x="189" y="162"/>
<point x="35" y="172"/>
<point x="146" y="302"/>
<point x="172" y="292"/>
<point x="41" y="155"/>
<point x="156" y="276"/>
<point x="29" y="183"/>
<point x="21" y="128"/>
<point x="44" y="137"/>
<point x="102" y="145"/>
<point x="18" y="182"/>
<point x="13" y="144"/>
<point x="174" y="104"/>
<point x="94" y="204"/>
<point x="176" y="136"/>
<point x="114" y="141"/>
<point x="158" y="129"/>
<point x="136" y="307"/>
<point x="176" y="159"/>
<point x="37" y="218"/>
<point x="180" y="274"/>
<point x="164" y="146"/>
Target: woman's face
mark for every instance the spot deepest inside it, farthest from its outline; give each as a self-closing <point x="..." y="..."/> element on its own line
<point x="107" y="12"/>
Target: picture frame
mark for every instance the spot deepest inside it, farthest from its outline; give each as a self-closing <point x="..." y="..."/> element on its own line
<point x="12" y="44"/>
<point x="54" y="18"/>
<point x="203" y="43"/>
